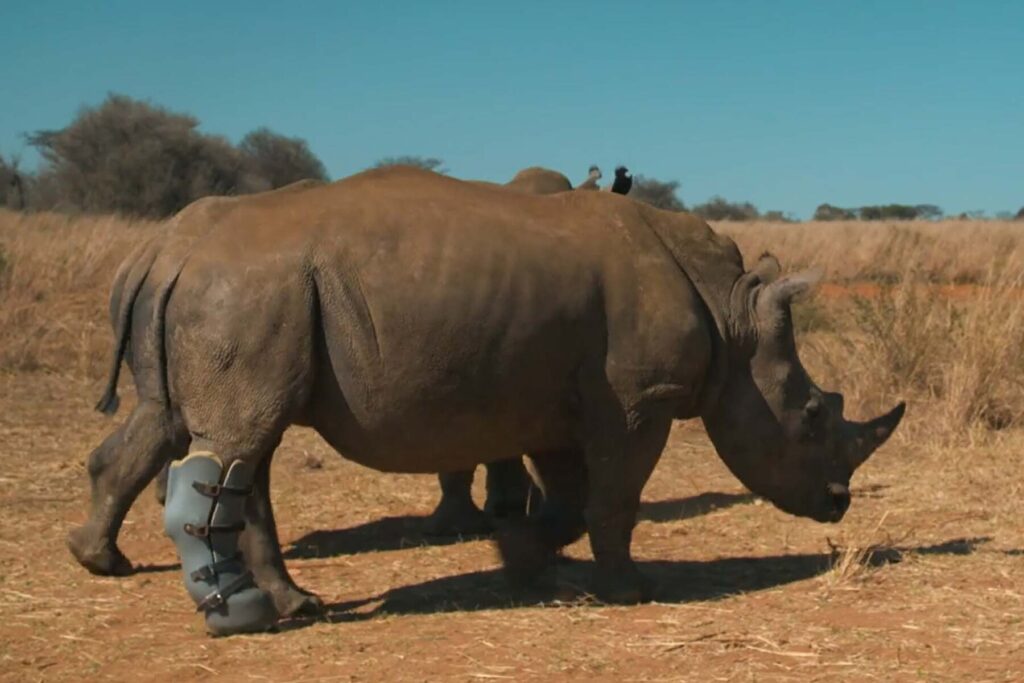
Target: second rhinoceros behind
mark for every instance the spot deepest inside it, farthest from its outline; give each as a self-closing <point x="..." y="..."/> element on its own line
<point x="421" y="323"/>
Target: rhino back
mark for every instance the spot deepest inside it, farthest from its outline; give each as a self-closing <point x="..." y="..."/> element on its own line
<point x="445" y="319"/>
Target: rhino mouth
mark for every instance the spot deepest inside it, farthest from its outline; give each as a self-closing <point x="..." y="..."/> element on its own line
<point x="828" y="508"/>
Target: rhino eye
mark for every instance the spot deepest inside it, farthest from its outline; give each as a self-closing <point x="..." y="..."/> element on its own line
<point x="811" y="419"/>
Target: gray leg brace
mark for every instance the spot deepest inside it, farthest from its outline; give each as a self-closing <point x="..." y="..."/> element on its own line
<point x="204" y="516"/>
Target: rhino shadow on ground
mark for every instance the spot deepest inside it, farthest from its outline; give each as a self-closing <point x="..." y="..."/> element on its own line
<point x="676" y="582"/>
<point x="399" y="532"/>
<point x="677" y="509"/>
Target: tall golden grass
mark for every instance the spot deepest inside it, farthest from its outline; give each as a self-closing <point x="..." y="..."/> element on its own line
<point x="55" y="276"/>
<point x="928" y="312"/>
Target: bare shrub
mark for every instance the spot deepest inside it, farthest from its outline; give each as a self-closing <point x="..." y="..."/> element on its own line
<point x="721" y="209"/>
<point x="275" y="160"/>
<point x="426" y="163"/>
<point x="657" y="193"/>
<point x="134" y="158"/>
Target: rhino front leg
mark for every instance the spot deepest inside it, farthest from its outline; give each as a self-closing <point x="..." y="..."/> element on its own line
<point x="262" y="550"/>
<point x="618" y="468"/>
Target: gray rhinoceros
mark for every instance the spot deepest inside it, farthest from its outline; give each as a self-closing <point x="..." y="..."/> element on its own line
<point x="509" y="488"/>
<point x="421" y="323"/>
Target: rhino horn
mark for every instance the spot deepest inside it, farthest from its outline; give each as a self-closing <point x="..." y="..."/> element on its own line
<point x="866" y="437"/>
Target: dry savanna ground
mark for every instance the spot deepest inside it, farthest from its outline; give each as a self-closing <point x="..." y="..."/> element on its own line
<point x="923" y="579"/>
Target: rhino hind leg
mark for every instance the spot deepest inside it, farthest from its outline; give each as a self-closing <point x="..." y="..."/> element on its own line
<point x="528" y="546"/>
<point x="456" y="514"/>
<point x="119" y="468"/>
<point x="511" y="493"/>
<point x="204" y="515"/>
<point x="262" y="550"/>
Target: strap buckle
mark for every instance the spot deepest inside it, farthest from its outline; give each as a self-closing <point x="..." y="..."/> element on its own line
<point x="204" y="530"/>
<point x="210" y="571"/>
<point x="214" y="490"/>
<point x="220" y="596"/>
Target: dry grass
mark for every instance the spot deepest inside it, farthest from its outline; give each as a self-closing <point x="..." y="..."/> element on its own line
<point x="956" y="252"/>
<point x="928" y="312"/>
<point x="55" y="274"/>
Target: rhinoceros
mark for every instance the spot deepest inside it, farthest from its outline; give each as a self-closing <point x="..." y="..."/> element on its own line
<point x="423" y="324"/>
<point x="510" y="493"/>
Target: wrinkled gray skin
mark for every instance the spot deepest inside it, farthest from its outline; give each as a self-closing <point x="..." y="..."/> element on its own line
<point x="510" y="491"/>
<point x="420" y="323"/>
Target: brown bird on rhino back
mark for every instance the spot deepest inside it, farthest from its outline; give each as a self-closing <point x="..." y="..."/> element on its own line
<point x="419" y="323"/>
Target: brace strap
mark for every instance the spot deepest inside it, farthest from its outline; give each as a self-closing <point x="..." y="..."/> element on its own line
<point x="210" y="571"/>
<point x="220" y="596"/>
<point x="214" y="490"/>
<point x="204" y="530"/>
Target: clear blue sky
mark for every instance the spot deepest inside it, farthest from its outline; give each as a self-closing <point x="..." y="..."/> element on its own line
<point x="786" y="104"/>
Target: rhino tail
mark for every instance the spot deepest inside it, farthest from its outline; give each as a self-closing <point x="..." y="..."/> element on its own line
<point x="127" y="284"/>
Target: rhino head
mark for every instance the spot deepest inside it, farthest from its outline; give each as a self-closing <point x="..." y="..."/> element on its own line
<point x="783" y="436"/>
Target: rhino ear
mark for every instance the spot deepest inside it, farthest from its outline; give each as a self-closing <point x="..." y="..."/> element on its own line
<point x="790" y="288"/>
<point x="767" y="268"/>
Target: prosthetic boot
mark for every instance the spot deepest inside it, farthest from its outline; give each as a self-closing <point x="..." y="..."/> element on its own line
<point x="204" y="516"/>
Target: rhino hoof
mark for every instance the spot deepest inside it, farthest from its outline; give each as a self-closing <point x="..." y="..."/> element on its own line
<point x="297" y="603"/>
<point x="628" y="587"/>
<point x="523" y="552"/>
<point x="102" y="560"/>
<point x="457" y="520"/>
<point x="504" y="509"/>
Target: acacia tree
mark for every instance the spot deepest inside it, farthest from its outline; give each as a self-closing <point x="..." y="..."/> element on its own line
<point x="657" y="193"/>
<point x="275" y="160"/>
<point x="426" y="163"/>
<point x="720" y="209"/>
<point x="132" y="157"/>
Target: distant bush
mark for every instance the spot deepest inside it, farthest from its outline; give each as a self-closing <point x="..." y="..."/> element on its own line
<point x="426" y="163"/>
<point x="1020" y="214"/>
<point x="777" y="217"/>
<point x="275" y="160"/>
<point x="130" y="157"/>
<point x="720" y="209"/>
<point x="892" y="212"/>
<point x="896" y="212"/>
<point x="657" y="193"/>
<point x="12" y="188"/>
<point x="827" y="212"/>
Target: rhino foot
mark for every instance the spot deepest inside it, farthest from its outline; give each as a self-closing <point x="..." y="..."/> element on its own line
<point x="506" y="508"/>
<point x="102" y="558"/>
<point x="290" y="601"/>
<point x="523" y="552"/>
<point x="455" y="518"/>
<point x="622" y="586"/>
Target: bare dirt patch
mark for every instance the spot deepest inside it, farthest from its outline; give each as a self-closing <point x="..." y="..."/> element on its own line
<point x="924" y="579"/>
